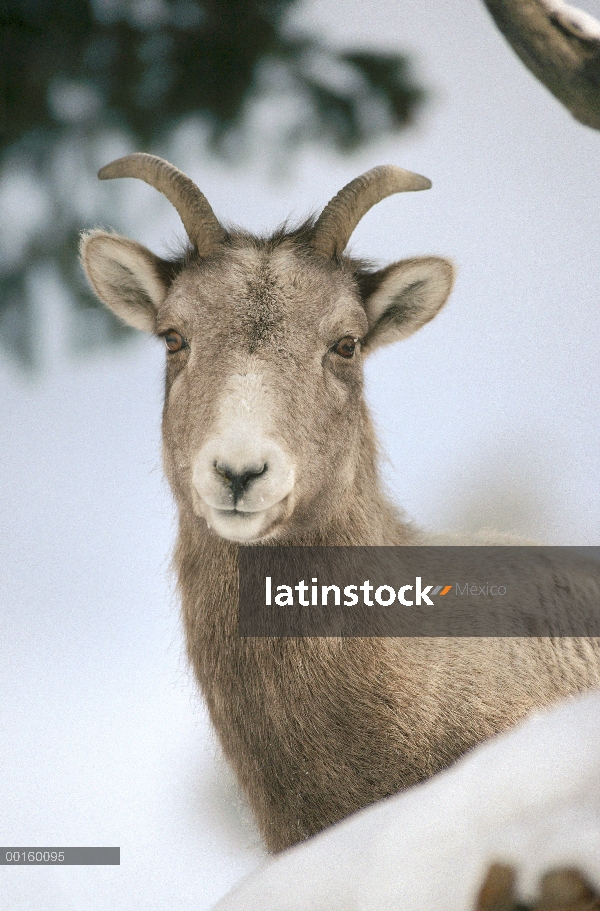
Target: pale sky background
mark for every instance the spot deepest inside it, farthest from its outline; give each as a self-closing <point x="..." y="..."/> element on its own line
<point x="489" y="416"/>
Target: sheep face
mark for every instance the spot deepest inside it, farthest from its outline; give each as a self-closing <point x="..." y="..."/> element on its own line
<point x="264" y="424"/>
<point x="263" y="411"/>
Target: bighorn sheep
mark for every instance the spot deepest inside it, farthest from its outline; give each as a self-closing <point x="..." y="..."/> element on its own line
<point x="267" y="439"/>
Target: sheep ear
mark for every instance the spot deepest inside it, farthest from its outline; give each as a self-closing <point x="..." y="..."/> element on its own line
<point x="403" y="297"/>
<point x="126" y="277"/>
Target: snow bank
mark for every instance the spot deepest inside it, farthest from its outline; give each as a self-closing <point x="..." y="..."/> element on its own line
<point x="530" y="798"/>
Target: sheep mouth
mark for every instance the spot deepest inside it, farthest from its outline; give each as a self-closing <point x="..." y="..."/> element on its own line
<point x="238" y="511"/>
<point x="245" y="526"/>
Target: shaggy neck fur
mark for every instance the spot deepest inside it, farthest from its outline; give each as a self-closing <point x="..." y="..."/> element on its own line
<point x="245" y="681"/>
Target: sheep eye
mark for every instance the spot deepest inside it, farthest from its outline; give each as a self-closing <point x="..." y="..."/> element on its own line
<point x="346" y="346"/>
<point x="174" y="341"/>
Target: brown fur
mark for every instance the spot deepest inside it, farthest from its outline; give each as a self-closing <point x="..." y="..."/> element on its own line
<point x="564" y="889"/>
<point x="317" y="728"/>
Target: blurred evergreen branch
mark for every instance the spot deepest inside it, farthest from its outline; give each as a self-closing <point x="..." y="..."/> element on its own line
<point x="73" y="70"/>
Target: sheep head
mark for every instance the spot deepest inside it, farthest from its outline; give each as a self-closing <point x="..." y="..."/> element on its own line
<point x="265" y="428"/>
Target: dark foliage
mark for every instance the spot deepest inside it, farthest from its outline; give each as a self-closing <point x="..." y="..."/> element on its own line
<point x="73" y="69"/>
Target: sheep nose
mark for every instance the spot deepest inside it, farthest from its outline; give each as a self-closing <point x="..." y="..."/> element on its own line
<point x="238" y="481"/>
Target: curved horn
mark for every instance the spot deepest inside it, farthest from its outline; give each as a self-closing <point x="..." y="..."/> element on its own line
<point x="341" y="215"/>
<point x="200" y="222"/>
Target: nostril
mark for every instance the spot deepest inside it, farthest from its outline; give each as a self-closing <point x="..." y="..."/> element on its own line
<point x="256" y="472"/>
<point x="226" y="473"/>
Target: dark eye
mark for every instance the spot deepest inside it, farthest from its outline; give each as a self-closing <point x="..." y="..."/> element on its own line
<point x="346" y="346"/>
<point x="174" y="341"/>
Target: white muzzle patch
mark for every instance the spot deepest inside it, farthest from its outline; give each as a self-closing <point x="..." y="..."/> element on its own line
<point x="242" y="479"/>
